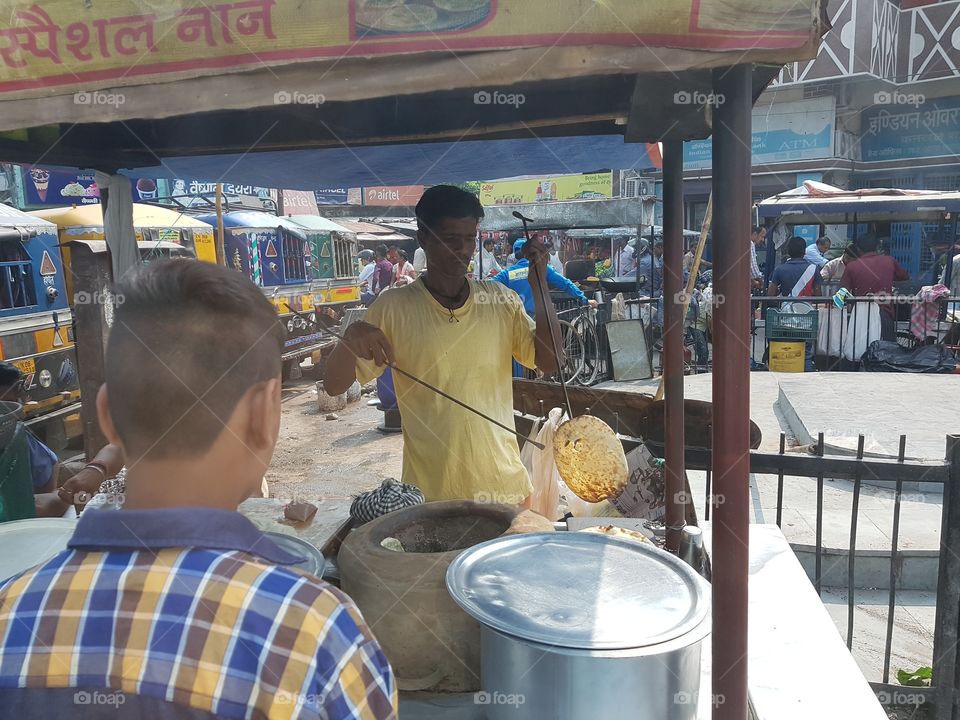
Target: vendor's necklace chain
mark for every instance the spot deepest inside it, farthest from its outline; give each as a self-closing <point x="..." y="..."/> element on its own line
<point x="453" y="318"/>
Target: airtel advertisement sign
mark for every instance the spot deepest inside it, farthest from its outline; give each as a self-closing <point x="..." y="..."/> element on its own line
<point x="388" y="195"/>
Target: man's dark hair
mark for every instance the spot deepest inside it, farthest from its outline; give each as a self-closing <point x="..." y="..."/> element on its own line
<point x="756" y="228"/>
<point x="188" y="340"/>
<point x="867" y="243"/>
<point x="447" y="201"/>
<point x="823" y="240"/>
<point x="10" y="375"/>
<point x="796" y="247"/>
<point x="489" y="241"/>
<point x="381" y="251"/>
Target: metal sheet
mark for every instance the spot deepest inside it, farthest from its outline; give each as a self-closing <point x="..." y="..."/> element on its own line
<point x="615" y="212"/>
<point x="578" y="590"/>
<point x="628" y="350"/>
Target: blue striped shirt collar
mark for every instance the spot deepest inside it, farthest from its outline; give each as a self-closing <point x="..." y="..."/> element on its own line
<point x="202" y="527"/>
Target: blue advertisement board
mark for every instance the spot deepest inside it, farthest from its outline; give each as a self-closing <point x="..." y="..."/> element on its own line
<point x="789" y="131"/>
<point x="331" y="196"/>
<point x="901" y="131"/>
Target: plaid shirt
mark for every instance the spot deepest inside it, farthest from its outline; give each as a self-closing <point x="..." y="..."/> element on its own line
<point x="754" y="265"/>
<point x="188" y="607"/>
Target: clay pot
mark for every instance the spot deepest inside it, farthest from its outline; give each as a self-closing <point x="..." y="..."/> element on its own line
<point x="430" y="642"/>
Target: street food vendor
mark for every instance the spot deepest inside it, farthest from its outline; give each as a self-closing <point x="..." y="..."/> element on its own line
<point x="460" y="336"/>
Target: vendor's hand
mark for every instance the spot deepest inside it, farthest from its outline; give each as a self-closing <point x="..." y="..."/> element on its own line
<point x="367" y="342"/>
<point x="592" y="303"/>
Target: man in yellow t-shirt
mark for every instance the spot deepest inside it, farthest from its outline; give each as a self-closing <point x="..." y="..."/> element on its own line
<point x="460" y="336"/>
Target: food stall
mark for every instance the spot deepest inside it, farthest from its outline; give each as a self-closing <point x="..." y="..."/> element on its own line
<point x="316" y="95"/>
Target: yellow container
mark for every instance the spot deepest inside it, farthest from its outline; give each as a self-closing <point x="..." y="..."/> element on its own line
<point x="786" y="356"/>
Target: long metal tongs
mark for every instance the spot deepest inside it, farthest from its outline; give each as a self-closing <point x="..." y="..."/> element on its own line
<point x="427" y="385"/>
<point x="553" y="337"/>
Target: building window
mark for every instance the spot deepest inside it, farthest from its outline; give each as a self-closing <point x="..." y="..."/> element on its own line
<point x="16" y="276"/>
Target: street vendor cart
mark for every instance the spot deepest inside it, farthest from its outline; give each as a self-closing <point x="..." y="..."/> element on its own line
<point x="304" y="95"/>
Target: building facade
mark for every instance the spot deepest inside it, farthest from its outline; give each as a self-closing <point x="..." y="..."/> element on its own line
<point x="878" y="107"/>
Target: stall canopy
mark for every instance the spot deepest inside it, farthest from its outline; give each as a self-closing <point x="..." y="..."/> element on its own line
<point x="146" y="83"/>
<point x="144" y="216"/>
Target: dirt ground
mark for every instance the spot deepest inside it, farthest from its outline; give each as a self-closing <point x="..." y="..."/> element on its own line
<point x="319" y="459"/>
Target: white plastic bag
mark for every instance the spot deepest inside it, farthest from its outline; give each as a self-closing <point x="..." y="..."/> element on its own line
<point x="830" y="330"/>
<point x="863" y="327"/>
<point x="529" y="451"/>
<point x="545" y="498"/>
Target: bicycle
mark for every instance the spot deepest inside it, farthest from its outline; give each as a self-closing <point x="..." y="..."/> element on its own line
<point x="581" y="343"/>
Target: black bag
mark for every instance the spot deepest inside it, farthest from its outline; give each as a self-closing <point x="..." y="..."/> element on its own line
<point x="886" y="356"/>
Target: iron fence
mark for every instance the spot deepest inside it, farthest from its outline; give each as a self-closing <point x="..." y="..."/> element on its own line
<point x="942" y="695"/>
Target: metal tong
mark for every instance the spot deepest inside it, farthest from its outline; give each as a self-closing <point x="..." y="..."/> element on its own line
<point x="427" y="385"/>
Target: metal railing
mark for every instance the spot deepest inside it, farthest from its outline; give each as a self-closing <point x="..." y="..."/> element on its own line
<point x="844" y="334"/>
<point x="816" y="467"/>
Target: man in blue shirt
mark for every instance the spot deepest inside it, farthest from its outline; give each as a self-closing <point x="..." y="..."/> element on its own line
<point x="814" y="253"/>
<point x="515" y="278"/>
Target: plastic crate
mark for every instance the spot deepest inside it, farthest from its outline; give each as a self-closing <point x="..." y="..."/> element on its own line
<point x="791" y="326"/>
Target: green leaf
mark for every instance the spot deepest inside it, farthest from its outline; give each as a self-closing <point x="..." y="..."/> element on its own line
<point x="921" y="677"/>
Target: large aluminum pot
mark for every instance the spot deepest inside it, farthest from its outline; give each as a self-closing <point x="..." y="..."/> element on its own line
<point x="576" y="625"/>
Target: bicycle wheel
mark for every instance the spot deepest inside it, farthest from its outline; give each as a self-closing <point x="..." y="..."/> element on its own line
<point x="573" y="352"/>
<point x="591" y="350"/>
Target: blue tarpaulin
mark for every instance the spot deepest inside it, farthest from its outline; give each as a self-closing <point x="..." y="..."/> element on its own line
<point x="416" y="164"/>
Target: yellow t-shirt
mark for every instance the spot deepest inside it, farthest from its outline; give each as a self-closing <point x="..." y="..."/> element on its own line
<point x="449" y="452"/>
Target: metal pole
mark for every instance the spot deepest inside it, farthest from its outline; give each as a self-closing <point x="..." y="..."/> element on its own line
<point x="946" y="627"/>
<point x="220" y="249"/>
<point x="673" y="309"/>
<point x="731" y="390"/>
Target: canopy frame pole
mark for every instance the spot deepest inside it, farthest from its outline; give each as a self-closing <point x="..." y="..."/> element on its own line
<point x="731" y="390"/>
<point x="674" y="306"/>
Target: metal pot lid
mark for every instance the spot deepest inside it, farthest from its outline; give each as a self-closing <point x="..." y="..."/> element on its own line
<point x="579" y="590"/>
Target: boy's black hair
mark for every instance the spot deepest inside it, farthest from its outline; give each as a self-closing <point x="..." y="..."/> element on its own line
<point x="868" y="243"/>
<point x="796" y="247"/>
<point x="381" y="251"/>
<point x="447" y="201"/>
<point x="188" y="340"/>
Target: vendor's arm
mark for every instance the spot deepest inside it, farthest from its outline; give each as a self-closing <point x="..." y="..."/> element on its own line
<point x="547" y="325"/>
<point x="362" y="341"/>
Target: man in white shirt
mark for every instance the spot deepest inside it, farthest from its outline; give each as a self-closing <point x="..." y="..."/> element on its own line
<point x="365" y="278"/>
<point x="485" y="263"/>
<point x="419" y="260"/>
<point x="554" y="256"/>
<point x="814" y="253"/>
<point x="626" y="260"/>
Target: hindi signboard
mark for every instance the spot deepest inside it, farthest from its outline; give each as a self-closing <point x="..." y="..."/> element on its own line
<point x="924" y="130"/>
<point x="70" y="44"/>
